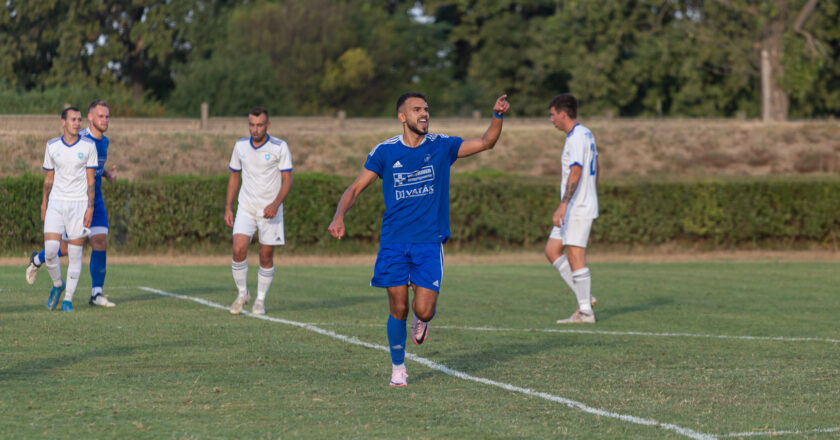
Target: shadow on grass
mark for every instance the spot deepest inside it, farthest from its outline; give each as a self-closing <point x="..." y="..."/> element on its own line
<point x="475" y="361"/>
<point x="40" y="367"/>
<point x="336" y="303"/>
<point x="604" y="312"/>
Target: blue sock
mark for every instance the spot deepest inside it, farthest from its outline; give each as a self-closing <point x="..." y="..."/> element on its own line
<point x="396" y="339"/>
<point x="97" y="270"/>
<point x="42" y="258"/>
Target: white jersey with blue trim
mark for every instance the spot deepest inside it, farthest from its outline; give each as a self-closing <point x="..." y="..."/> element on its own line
<point x="261" y="167"/>
<point x="580" y="150"/>
<point x="70" y="163"/>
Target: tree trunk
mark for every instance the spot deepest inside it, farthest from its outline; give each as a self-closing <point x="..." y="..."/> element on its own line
<point x="137" y="75"/>
<point x="775" y="102"/>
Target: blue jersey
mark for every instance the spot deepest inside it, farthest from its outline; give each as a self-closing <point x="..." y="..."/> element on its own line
<point x="415" y="187"/>
<point x="102" y="152"/>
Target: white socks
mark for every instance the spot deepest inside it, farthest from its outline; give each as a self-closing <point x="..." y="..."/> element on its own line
<point x="582" y="285"/>
<point x="562" y="266"/>
<point x="240" y="275"/>
<point x="53" y="263"/>
<point x="264" y="277"/>
<point x="74" y="269"/>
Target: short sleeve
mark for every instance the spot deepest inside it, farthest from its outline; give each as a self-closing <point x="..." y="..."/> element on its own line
<point x="454" y="146"/>
<point x="375" y="161"/>
<point x="93" y="157"/>
<point x="235" y="163"/>
<point x="577" y="152"/>
<point x="48" y="162"/>
<point x="285" y="163"/>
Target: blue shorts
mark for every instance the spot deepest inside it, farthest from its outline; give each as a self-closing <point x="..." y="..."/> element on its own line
<point x="409" y="263"/>
<point x="100" y="215"/>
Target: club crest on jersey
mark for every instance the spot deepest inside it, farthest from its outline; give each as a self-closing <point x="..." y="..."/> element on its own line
<point x="81" y="156"/>
<point x="267" y="157"/>
<point x="428" y="158"/>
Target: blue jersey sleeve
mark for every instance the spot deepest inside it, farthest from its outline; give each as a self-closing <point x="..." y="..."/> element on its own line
<point x="375" y="161"/>
<point x="454" y="145"/>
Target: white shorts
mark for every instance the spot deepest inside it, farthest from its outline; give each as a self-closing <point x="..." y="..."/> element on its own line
<point x="271" y="230"/>
<point x="574" y="232"/>
<point x="66" y="217"/>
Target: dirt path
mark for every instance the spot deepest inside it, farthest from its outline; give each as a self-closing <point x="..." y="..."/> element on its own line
<point x="467" y="259"/>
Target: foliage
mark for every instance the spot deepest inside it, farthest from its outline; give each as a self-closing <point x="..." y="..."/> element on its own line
<point x="488" y="211"/>
<point x="638" y="58"/>
<point x="52" y="101"/>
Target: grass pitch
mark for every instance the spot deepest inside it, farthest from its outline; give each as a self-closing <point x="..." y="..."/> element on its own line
<point x="704" y="349"/>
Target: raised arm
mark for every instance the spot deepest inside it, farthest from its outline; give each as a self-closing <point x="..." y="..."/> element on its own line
<point x="366" y="177"/>
<point x="488" y="141"/>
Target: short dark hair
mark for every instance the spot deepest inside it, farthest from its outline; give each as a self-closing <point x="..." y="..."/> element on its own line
<point x="565" y="102"/>
<point x="257" y="111"/>
<point x="97" y="102"/>
<point x="68" y="110"/>
<point x="401" y="100"/>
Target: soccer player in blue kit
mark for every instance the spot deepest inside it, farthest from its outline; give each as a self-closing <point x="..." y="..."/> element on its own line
<point x="99" y="115"/>
<point x="414" y="168"/>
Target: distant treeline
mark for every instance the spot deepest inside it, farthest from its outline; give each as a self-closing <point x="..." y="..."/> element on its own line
<point x="623" y="58"/>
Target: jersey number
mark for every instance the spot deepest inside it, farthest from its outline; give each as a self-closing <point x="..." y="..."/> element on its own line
<point x="592" y="167"/>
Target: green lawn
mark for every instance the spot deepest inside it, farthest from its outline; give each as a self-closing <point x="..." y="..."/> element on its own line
<point x="162" y="367"/>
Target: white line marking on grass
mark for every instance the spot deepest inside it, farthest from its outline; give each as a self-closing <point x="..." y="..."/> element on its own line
<point x="614" y="333"/>
<point x="772" y="433"/>
<point x="461" y="375"/>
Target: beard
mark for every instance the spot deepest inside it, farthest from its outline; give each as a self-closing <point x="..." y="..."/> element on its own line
<point x="416" y="129"/>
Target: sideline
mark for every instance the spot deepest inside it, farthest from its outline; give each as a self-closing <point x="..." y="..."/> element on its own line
<point x="461" y="375"/>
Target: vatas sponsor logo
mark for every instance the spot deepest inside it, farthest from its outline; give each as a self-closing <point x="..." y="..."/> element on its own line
<point x="425" y="174"/>
<point x="424" y="190"/>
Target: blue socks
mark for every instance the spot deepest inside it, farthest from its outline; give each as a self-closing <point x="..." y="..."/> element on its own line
<point x="396" y="339"/>
<point x="97" y="270"/>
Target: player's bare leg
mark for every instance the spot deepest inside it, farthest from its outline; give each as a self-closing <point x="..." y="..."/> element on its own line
<point x="239" y="268"/>
<point x="424" y="306"/>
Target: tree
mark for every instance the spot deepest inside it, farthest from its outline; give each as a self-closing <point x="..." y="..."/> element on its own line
<point x="770" y="25"/>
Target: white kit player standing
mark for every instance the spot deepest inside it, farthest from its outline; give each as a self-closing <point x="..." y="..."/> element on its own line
<point x="578" y="208"/>
<point x="70" y="162"/>
<point x="264" y="166"/>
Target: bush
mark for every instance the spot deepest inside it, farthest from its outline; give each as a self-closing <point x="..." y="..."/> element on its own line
<point x="52" y="101"/>
<point x="487" y="211"/>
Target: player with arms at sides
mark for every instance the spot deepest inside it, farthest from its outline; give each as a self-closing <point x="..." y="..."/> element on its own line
<point x="99" y="115"/>
<point x="414" y="168"/>
<point x="263" y="164"/>
<point x="70" y="162"/>
<point x="578" y="207"/>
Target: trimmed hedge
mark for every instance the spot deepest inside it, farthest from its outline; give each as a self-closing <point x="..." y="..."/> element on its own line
<point x="487" y="211"/>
